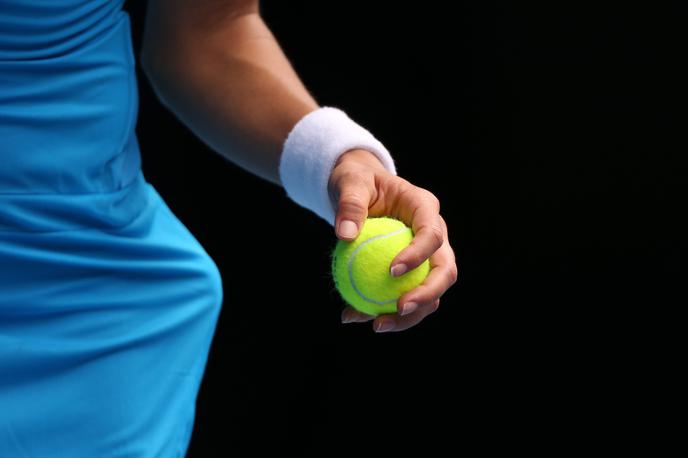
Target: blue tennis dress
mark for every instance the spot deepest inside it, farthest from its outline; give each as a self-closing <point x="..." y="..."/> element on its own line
<point x="108" y="304"/>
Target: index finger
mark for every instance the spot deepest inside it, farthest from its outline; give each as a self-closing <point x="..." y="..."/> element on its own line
<point x="419" y="209"/>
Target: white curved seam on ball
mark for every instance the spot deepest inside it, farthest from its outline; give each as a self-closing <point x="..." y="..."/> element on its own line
<point x="351" y="262"/>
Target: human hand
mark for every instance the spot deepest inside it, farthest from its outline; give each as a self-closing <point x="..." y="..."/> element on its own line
<point x="360" y="187"/>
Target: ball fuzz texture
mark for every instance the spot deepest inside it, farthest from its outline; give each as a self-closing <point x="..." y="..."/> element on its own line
<point x="361" y="268"/>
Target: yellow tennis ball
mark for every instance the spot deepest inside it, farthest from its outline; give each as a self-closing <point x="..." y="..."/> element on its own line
<point x="360" y="268"/>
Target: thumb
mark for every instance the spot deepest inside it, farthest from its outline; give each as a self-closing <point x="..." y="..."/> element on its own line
<point x="352" y="208"/>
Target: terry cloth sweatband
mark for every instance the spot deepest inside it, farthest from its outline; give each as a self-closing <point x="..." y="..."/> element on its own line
<point x="311" y="150"/>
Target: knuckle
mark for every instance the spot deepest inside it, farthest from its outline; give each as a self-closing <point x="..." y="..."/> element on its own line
<point x="403" y="190"/>
<point x="432" y="198"/>
<point x="352" y="203"/>
<point x="354" y="193"/>
<point x="437" y="234"/>
<point x="402" y="183"/>
<point x="349" y="181"/>
<point x="350" y="176"/>
<point x="453" y="274"/>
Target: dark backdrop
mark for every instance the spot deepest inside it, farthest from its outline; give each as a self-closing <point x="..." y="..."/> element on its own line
<point x="545" y="133"/>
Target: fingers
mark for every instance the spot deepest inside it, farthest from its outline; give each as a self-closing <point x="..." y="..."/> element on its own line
<point x="353" y="196"/>
<point x="390" y="322"/>
<point x="351" y="315"/>
<point x="394" y="323"/>
<point x="421" y="208"/>
<point x="443" y="274"/>
<point x="426" y="297"/>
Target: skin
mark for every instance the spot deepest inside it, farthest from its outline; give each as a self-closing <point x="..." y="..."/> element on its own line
<point x="218" y="67"/>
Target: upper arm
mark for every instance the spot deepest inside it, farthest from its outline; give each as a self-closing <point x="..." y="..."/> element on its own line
<point x="174" y="25"/>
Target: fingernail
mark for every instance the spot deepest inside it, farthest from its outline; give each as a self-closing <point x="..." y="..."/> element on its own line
<point x="408" y="307"/>
<point x="398" y="270"/>
<point x="384" y="326"/>
<point x="347" y="229"/>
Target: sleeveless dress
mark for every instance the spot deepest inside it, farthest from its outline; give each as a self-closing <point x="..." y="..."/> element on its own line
<point x="108" y="304"/>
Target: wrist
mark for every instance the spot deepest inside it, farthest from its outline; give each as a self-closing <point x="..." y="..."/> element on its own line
<point x="318" y="142"/>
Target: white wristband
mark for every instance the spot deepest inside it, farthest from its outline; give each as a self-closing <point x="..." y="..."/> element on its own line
<point x="311" y="150"/>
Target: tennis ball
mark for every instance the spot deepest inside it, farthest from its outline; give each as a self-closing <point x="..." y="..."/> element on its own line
<point x="360" y="268"/>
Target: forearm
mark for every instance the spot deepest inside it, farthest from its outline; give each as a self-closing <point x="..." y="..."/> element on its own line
<point x="226" y="78"/>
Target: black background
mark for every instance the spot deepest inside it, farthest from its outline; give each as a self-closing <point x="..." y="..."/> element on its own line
<point x="546" y="133"/>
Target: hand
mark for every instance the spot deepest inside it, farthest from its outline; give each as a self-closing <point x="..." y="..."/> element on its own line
<point x="360" y="186"/>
